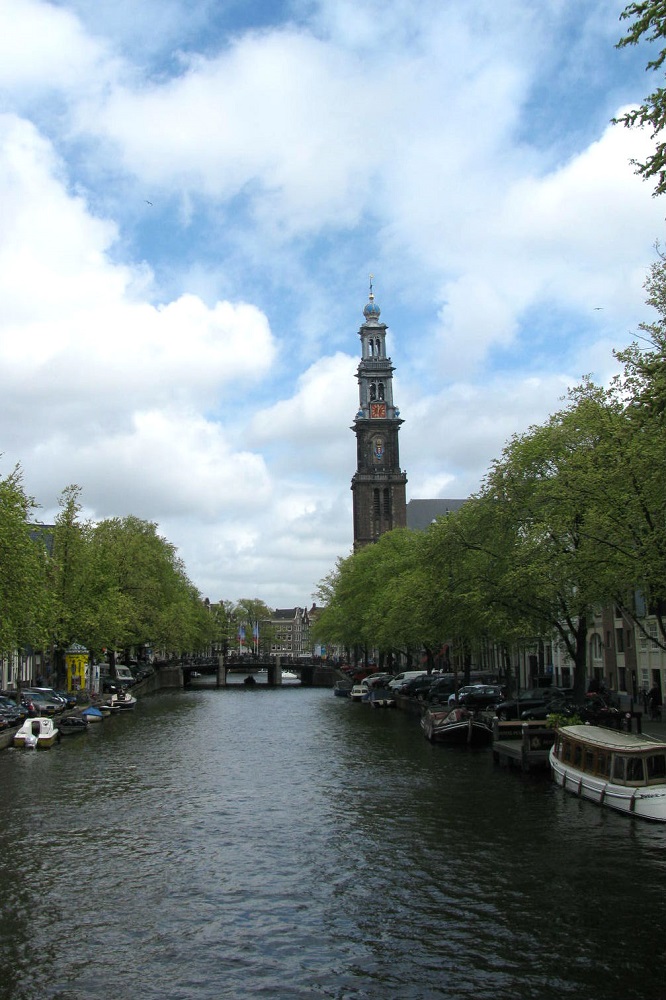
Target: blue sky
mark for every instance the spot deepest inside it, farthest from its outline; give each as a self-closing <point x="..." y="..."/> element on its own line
<point x="193" y="195"/>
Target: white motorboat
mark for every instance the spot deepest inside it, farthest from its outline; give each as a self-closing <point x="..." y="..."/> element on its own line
<point x="623" y="771"/>
<point x="36" y="734"/>
<point x="359" y="692"/>
<point x="122" y="702"/>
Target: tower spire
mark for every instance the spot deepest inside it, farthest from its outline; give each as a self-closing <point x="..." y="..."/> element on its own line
<point x="378" y="485"/>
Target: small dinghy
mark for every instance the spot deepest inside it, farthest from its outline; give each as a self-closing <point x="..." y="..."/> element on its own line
<point x="70" y="725"/>
<point x="92" y="714"/>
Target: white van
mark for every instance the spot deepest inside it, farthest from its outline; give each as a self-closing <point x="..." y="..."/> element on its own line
<point x="405" y="676"/>
<point x="124" y="674"/>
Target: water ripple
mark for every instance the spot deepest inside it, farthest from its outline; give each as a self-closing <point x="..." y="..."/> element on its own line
<point x="288" y="844"/>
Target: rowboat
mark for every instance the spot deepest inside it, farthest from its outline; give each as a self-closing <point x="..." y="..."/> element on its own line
<point x="623" y="771"/>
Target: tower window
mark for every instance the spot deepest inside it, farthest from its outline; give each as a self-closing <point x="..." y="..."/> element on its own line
<point x="380" y="390"/>
<point x="373" y="391"/>
<point x="387" y="504"/>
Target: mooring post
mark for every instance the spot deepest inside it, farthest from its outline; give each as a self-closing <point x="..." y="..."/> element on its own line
<point x="221" y="672"/>
<point x="274" y="673"/>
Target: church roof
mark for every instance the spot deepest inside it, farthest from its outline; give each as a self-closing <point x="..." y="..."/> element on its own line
<point x="421" y="513"/>
<point x="371" y="310"/>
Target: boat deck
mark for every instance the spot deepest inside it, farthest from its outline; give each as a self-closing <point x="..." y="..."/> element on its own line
<point x="522" y="744"/>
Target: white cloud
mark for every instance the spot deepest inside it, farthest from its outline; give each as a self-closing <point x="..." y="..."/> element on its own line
<point x="314" y="421"/>
<point x="44" y="46"/>
<point x="417" y="141"/>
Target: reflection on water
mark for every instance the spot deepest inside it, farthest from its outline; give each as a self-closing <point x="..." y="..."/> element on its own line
<point x="286" y="843"/>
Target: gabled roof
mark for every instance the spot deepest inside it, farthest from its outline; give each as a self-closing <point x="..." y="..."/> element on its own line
<point x="421" y="513"/>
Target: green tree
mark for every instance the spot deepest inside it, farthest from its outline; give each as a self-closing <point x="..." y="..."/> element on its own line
<point x="151" y="599"/>
<point x="223" y="621"/>
<point x="24" y="595"/>
<point x="640" y="393"/>
<point x="343" y="595"/>
<point x="255" y="617"/>
<point x="648" y="24"/>
<point x="545" y="550"/>
<point x="396" y="599"/>
<point x="73" y="608"/>
<point x="462" y="552"/>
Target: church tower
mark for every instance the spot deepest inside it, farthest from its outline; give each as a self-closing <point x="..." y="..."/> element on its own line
<point x="378" y="486"/>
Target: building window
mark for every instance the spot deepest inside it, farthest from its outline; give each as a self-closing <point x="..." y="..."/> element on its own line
<point x="652" y="630"/>
<point x="619" y="640"/>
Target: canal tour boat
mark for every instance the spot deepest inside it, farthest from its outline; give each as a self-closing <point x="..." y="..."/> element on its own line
<point x="623" y="771"/>
<point x="38" y="733"/>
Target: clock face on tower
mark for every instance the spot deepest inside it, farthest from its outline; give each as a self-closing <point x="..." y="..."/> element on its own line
<point x="377" y="410"/>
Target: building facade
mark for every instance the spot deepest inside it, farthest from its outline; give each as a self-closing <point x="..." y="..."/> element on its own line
<point x="378" y="485"/>
<point x="290" y="633"/>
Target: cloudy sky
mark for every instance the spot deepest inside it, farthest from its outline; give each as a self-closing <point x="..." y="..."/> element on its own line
<point x="193" y="194"/>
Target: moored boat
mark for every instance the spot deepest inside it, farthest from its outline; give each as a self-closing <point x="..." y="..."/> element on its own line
<point x="381" y="698"/>
<point x="623" y="771"/>
<point x="71" y="725"/>
<point x="38" y="733"/>
<point x="455" y="726"/>
<point x="342" y="689"/>
<point x="93" y="714"/>
<point x="359" y="692"/>
<point x="122" y="702"/>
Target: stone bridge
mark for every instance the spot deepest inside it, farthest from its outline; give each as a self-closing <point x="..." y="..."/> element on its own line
<point x="312" y="673"/>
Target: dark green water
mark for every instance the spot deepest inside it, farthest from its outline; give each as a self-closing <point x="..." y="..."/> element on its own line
<point x="286" y="843"/>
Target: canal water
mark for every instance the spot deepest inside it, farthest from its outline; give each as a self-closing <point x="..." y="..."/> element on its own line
<point x="286" y="843"/>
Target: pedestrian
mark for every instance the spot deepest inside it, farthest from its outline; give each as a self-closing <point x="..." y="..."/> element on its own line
<point x="655" y="701"/>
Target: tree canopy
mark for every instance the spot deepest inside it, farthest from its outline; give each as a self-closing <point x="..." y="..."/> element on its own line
<point x="24" y="592"/>
<point x="649" y="25"/>
<point x="571" y="518"/>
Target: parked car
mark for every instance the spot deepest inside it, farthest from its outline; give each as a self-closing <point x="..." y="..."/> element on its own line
<point x="440" y="690"/>
<point x="69" y="697"/>
<point x="39" y="704"/>
<point x="9" y="708"/>
<point x="535" y="698"/>
<point x="461" y="691"/>
<point x="49" y="693"/>
<point x="400" y="680"/>
<point x="10" y="716"/>
<point x="141" y="671"/>
<point x="418" y="687"/>
<point x="123" y="675"/>
<point x="596" y="709"/>
<point x="378" y="680"/>
<point x="481" y="697"/>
